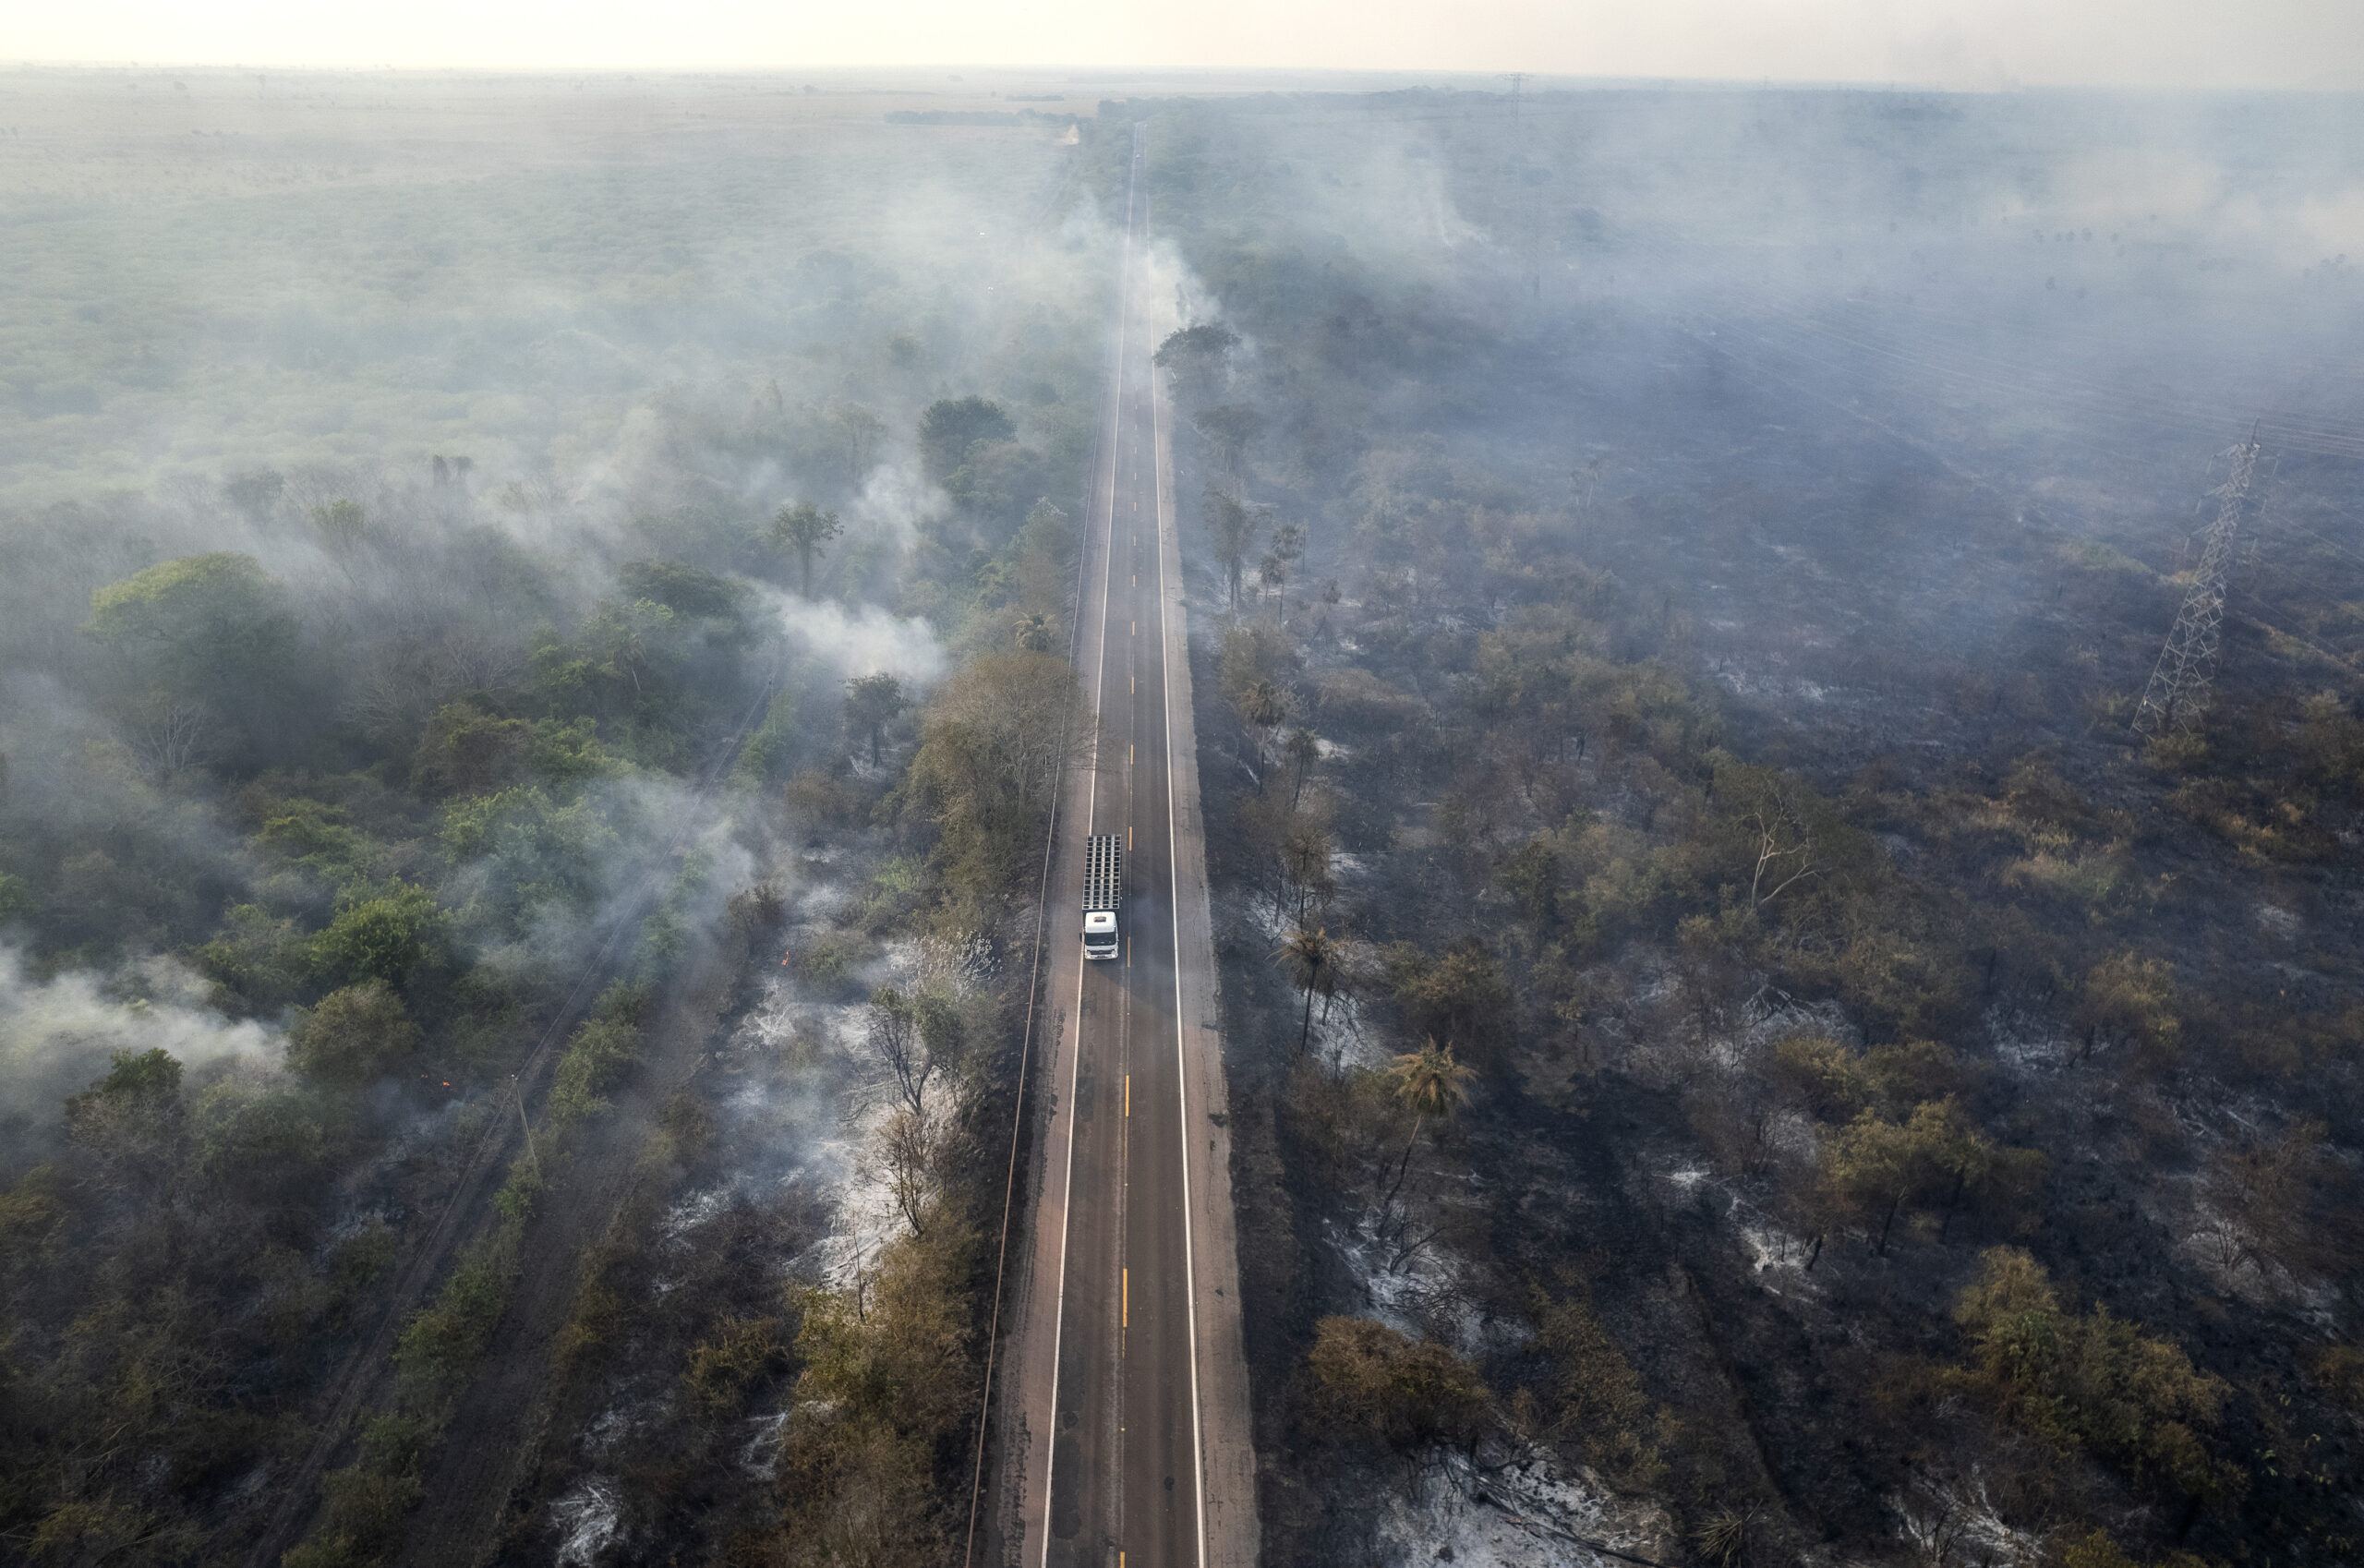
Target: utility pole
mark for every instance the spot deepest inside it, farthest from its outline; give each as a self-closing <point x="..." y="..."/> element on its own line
<point x="522" y="1122"/>
<point x="2177" y="693"/>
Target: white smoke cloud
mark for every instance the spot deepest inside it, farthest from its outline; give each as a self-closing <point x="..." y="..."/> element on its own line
<point x="58" y="1034"/>
<point x="862" y="640"/>
<point x="896" y="499"/>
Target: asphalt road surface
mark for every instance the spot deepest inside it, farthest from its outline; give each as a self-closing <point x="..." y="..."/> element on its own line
<point x="1127" y="1354"/>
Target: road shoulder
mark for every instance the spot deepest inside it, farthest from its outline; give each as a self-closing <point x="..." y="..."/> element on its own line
<point x="1227" y="1446"/>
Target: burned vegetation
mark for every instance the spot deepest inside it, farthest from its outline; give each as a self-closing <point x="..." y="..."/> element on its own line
<point x="1741" y="1051"/>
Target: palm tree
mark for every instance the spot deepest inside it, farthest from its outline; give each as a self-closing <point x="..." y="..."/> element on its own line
<point x="1431" y="1083"/>
<point x="1036" y="632"/>
<point x="1312" y="958"/>
<point x="1265" y="708"/>
<point x="1305" y="749"/>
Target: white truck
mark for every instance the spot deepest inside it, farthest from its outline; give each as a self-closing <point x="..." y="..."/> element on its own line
<point x="1104" y="889"/>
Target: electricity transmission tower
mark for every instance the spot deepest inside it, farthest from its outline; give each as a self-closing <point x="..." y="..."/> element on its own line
<point x="2177" y="693"/>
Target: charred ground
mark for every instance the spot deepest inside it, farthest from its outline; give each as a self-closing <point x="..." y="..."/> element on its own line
<point x="1700" y="557"/>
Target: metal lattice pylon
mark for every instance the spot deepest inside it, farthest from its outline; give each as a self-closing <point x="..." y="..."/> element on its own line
<point x="2177" y="693"/>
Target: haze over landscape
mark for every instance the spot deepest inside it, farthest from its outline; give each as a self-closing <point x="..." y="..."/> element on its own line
<point x="1710" y="662"/>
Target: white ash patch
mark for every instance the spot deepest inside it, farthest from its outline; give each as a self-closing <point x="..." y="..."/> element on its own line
<point x="1340" y="1041"/>
<point x="2277" y="922"/>
<point x="2025" y="1041"/>
<point x="606" y="1432"/>
<point x="1529" y="1512"/>
<point x="1271" y="924"/>
<point x="690" y="1211"/>
<point x="589" y="1519"/>
<point x="1778" y="1257"/>
<point x="818" y="902"/>
<point x="1422" y="1291"/>
<point x="865" y="1217"/>
<point x="1773" y="1016"/>
<point x="1954" y="1521"/>
<point x="900" y="963"/>
<point x="759" y="1452"/>
<point x="1793" y="1133"/>
<point x="1688" y="1178"/>
<point x="1331" y="751"/>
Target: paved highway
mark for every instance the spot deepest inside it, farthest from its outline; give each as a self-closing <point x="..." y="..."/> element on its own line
<point x="1126" y="1353"/>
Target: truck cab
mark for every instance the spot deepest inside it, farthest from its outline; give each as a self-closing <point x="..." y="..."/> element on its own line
<point x="1099" y="934"/>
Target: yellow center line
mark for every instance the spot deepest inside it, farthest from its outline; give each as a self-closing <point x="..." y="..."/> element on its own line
<point x="1127" y="1321"/>
<point x="1129" y="1095"/>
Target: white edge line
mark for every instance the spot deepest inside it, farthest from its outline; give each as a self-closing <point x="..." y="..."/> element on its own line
<point x="1090" y="820"/>
<point x="1174" y="905"/>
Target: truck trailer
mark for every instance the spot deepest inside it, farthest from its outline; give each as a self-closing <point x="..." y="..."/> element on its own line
<point x="1103" y="889"/>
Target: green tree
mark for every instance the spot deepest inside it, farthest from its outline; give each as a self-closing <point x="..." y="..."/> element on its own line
<point x="1198" y="355"/>
<point x="386" y="937"/>
<point x="1875" y="1166"/>
<point x="1231" y="527"/>
<point x="2093" y="1380"/>
<point x="342" y="524"/>
<point x="871" y="703"/>
<point x="222" y="612"/>
<point x="354" y="1034"/>
<point x="2130" y="999"/>
<point x="990" y="746"/>
<point x="469" y="751"/>
<point x="1531" y="876"/>
<point x="1230" y="429"/>
<point x="804" y="528"/>
<point x="1460" y="996"/>
<point x="952" y="425"/>
<point x="531" y="848"/>
<point x="132" y="1119"/>
<point x="212" y="630"/>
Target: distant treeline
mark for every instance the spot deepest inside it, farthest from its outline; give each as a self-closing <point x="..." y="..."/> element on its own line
<point x="975" y="117"/>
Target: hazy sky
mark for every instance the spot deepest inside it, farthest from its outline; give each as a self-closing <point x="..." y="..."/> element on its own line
<point x="2279" y="44"/>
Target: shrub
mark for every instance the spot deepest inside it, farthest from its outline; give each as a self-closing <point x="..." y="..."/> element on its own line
<point x="725" y="1365"/>
<point x="2094" y="1381"/>
<point x="1404" y="1392"/>
<point x="440" y="1343"/>
<point x="597" y="1055"/>
<point x="1594" y="1399"/>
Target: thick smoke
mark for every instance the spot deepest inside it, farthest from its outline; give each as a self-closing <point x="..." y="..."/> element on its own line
<point x="58" y="1035"/>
